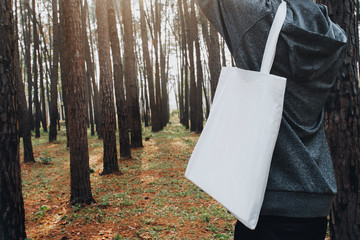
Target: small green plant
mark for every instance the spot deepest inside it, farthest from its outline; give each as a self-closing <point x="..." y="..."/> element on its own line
<point x="46" y="157"/>
<point x="93" y="145"/>
<point x="77" y="207"/>
<point x="46" y="160"/>
<point x="205" y="217"/>
<point x="189" y="142"/>
<point x="41" y="213"/>
<point x="104" y="201"/>
<point x="118" y="237"/>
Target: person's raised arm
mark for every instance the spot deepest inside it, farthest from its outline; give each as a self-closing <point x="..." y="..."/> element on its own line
<point x="232" y="18"/>
<point x="212" y="10"/>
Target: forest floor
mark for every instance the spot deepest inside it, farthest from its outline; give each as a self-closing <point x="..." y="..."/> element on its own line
<point x="151" y="199"/>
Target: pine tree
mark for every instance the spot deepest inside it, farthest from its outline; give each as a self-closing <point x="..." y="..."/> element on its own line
<point x="75" y="89"/>
<point x="12" y="214"/>
<point x="132" y="93"/>
<point x="106" y="89"/>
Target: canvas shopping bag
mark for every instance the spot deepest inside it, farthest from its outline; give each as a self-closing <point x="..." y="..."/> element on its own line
<point x="232" y="157"/>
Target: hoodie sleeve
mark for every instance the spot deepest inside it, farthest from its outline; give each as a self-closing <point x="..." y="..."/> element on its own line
<point x="232" y="18"/>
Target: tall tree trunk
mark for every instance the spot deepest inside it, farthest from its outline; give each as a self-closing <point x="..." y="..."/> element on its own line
<point x="164" y="82"/>
<point x="185" y="64"/>
<point x="25" y="131"/>
<point x="54" y="74"/>
<point x="181" y="63"/>
<point x="132" y="95"/>
<point x="342" y="125"/>
<point x="167" y="103"/>
<point x="147" y="104"/>
<point x="213" y="49"/>
<point x="142" y="99"/>
<point x="190" y="43"/>
<point x="155" y="123"/>
<point x="90" y="105"/>
<point x="51" y="36"/>
<point x="27" y="40"/>
<point x="90" y="68"/>
<point x="163" y="103"/>
<point x="47" y="77"/>
<point x="180" y="101"/>
<point x="12" y="214"/>
<point x="87" y="93"/>
<point x="207" y="101"/>
<point x="87" y="59"/>
<point x="125" y="150"/>
<point x="147" y="109"/>
<point x="140" y="66"/>
<point x="157" y="64"/>
<point x="75" y="84"/>
<point x="199" y="72"/>
<point x="97" y="107"/>
<point x="35" y="71"/>
<point x="106" y="89"/>
<point x="42" y="92"/>
<point x="42" y="51"/>
<point x="63" y="65"/>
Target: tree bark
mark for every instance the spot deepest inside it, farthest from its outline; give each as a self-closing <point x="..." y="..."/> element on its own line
<point x="87" y="93"/>
<point x="132" y="95"/>
<point x="90" y="105"/>
<point x="125" y="150"/>
<point x="106" y="90"/>
<point x="180" y="81"/>
<point x="27" y="40"/>
<point x="12" y="215"/>
<point x="185" y="65"/>
<point x="74" y="78"/>
<point x="35" y="72"/>
<point x="342" y="125"/>
<point x="25" y="131"/>
<point x="156" y="23"/>
<point x="89" y="68"/>
<point x="190" y="43"/>
<point x="155" y="124"/>
<point x="42" y="51"/>
<point x="164" y="99"/>
<point x="63" y="65"/>
<point x="42" y="91"/>
<point x="90" y="65"/>
<point x="147" y="108"/>
<point x="54" y="74"/>
<point x="144" y="97"/>
<point x="213" y="49"/>
<point x="47" y="77"/>
<point x="199" y="72"/>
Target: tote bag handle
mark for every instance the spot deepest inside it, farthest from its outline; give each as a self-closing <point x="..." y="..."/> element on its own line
<point x="270" y="48"/>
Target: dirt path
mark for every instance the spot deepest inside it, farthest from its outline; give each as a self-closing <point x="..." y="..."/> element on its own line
<point x="150" y="200"/>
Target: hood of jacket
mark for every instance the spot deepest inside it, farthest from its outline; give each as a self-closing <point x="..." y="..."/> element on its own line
<point x="307" y="38"/>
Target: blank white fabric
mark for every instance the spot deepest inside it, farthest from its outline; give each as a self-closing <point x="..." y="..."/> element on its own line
<point x="232" y="157"/>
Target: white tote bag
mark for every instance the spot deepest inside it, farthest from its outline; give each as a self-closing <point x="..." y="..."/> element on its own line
<point x="232" y="157"/>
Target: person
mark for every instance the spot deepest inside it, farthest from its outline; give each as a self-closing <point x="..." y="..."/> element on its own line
<point x="310" y="51"/>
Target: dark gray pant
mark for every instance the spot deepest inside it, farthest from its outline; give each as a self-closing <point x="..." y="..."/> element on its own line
<point x="283" y="228"/>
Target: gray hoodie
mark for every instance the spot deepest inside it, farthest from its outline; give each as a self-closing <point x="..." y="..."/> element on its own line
<point x="309" y="53"/>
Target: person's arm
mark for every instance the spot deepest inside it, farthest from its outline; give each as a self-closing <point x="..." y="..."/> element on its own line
<point x="232" y="18"/>
<point x="212" y="10"/>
